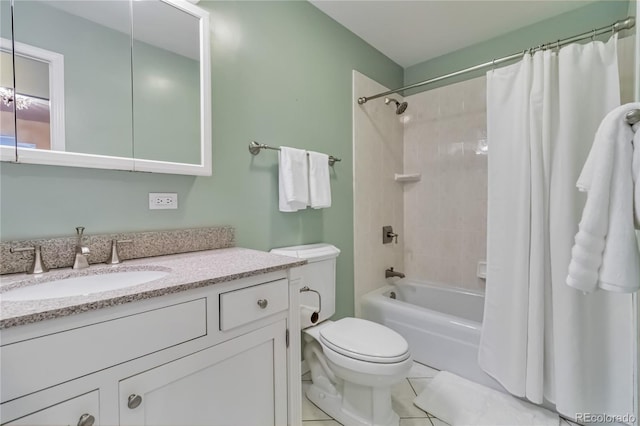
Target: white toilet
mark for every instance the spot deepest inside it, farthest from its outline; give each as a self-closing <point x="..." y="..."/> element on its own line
<point x="353" y="362"/>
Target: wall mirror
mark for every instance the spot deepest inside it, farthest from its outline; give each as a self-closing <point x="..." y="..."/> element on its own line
<point x="7" y="115"/>
<point x="104" y="84"/>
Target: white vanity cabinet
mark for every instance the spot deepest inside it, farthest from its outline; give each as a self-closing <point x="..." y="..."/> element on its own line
<point x="236" y="383"/>
<point x="215" y="355"/>
<point x="83" y="410"/>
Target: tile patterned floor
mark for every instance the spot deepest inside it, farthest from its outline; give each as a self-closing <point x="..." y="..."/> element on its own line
<point x="402" y="396"/>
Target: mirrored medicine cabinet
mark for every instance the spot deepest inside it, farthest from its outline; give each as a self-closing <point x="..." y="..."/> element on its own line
<point x="106" y="84"/>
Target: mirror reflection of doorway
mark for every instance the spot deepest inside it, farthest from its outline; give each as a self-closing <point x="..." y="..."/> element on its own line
<point x="36" y="71"/>
<point x="32" y="103"/>
<point x="33" y="121"/>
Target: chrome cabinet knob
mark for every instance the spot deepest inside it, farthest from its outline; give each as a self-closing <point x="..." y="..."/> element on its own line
<point x="263" y="303"/>
<point x="134" y="401"/>
<point x="86" y="420"/>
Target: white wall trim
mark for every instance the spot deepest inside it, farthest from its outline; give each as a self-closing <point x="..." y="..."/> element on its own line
<point x="634" y="300"/>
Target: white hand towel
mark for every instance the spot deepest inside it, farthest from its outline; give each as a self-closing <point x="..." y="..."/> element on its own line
<point x="605" y="253"/>
<point x="293" y="179"/>
<point x="461" y="402"/>
<point x="319" y="182"/>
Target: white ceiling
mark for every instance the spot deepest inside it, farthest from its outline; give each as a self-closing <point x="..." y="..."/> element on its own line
<point x="410" y="32"/>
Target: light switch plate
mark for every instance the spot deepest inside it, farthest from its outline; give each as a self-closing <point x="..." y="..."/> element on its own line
<point x="163" y="200"/>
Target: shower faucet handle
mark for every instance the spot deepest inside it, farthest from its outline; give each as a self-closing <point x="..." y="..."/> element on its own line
<point x="388" y="235"/>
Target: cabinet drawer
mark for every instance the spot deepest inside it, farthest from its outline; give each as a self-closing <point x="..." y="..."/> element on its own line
<point x="35" y="364"/>
<point x="67" y="412"/>
<point x="249" y="304"/>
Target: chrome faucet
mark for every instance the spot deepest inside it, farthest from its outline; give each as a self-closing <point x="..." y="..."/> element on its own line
<point x="388" y="273"/>
<point x="81" y="261"/>
<point x="38" y="266"/>
<point x="114" y="257"/>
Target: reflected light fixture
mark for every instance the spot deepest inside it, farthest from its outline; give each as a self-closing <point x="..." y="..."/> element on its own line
<point x="22" y="102"/>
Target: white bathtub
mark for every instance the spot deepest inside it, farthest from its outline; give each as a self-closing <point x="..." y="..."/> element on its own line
<point x="442" y="324"/>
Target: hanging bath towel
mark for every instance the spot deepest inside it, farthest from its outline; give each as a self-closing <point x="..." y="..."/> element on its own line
<point x="319" y="183"/>
<point x="293" y="179"/>
<point x="605" y="254"/>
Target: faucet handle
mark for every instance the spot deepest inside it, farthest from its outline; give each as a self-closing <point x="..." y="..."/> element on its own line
<point x="388" y="235"/>
<point x="393" y="235"/>
<point x="79" y="234"/>
<point x="38" y="266"/>
<point x="114" y="257"/>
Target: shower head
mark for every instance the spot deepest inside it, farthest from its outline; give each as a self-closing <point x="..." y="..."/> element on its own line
<point x="400" y="107"/>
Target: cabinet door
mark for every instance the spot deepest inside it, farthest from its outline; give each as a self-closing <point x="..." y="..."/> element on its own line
<point x="83" y="410"/>
<point x="239" y="382"/>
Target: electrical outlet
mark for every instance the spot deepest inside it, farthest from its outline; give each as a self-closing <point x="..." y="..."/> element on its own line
<point x="163" y="200"/>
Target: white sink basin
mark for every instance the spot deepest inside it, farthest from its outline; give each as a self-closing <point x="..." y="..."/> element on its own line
<point x="82" y="286"/>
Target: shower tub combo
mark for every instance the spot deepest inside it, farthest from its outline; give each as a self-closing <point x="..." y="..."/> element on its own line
<point x="442" y="324"/>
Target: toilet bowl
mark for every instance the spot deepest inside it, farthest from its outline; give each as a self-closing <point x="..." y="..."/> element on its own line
<point x="353" y="362"/>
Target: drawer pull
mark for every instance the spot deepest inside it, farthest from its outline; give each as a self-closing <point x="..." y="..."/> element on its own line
<point x="263" y="303"/>
<point x="134" y="401"/>
<point x="86" y="420"/>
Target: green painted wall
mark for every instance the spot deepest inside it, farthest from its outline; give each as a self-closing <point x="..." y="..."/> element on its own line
<point x="281" y="74"/>
<point x="595" y="15"/>
<point x="97" y="74"/>
<point x="166" y="105"/>
<point x="5" y="19"/>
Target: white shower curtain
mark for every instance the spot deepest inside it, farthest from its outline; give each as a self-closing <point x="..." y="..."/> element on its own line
<point x="542" y="339"/>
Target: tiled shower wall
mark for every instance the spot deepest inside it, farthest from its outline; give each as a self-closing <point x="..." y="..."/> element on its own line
<point x="446" y="211"/>
<point x="378" y="199"/>
<point x="626" y="64"/>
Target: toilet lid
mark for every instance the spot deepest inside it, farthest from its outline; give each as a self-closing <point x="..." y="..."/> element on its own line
<point x="365" y="340"/>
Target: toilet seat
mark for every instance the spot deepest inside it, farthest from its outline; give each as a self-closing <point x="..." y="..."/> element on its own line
<point x="365" y="340"/>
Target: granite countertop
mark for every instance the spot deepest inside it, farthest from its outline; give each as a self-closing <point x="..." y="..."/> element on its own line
<point x="186" y="271"/>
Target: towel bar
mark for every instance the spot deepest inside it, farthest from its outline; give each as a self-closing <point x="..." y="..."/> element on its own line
<point x="633" y="116"/>
<point x="255" y="147"/>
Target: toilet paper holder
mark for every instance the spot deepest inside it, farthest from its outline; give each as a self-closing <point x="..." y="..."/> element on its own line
<point x="316" y="314"/>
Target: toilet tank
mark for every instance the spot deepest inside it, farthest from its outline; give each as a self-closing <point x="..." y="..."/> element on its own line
<point x="318" y="274"/>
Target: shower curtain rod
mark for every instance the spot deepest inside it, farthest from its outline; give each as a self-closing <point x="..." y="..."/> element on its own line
<point x="623" y="24"/>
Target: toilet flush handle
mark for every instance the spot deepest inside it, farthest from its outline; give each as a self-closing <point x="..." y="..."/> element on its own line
<point x="306" y="288"/>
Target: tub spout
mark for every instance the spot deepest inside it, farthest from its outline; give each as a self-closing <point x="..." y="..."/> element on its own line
<point x="388" y="273"/>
